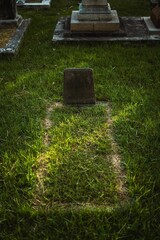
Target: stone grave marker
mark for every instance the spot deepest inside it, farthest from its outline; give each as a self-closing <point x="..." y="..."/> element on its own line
<point x="78" y="86"/>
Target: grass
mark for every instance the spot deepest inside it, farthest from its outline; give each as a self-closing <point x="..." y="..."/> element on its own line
<point x="126" y="76"/>
<point x="79" y="170"/>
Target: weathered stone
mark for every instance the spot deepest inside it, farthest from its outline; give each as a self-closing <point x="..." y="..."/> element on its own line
<point x="155" y="16"/>
<point x="94" y="26"/>
<point x="152" y="29"/>
<point x="78" y="86"/>
<point x="94" y="13"/>
<point x="93" y="9"/>
<point x="94" y="2"/>
<point x="94" y="17"/>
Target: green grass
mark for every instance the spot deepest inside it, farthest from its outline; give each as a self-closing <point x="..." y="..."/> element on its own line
<point x="80" y="170"/>
<point x="126" y="76"/>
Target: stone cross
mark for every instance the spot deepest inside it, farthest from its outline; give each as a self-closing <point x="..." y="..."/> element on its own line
<point x="8" y="9"/>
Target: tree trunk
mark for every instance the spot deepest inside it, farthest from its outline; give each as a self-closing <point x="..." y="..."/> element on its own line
<point x="7" y="9"/>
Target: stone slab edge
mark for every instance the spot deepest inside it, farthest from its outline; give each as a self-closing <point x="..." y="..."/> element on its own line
<point x="13" y="45"/>
<point x="150" y="26"/>
<point x="43" y="4"/>
<point x="58" y="37"/>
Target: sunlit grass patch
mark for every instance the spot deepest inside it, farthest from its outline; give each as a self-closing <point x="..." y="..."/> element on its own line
<point x="126" y="76"/>
<point x="80" y="168"/>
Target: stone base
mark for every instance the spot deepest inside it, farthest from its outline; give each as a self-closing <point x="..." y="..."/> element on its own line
<point x="132" y="30"/>
<point x="14" y="22"/>
<point x="152" y="29"/>
<point x="94" y="17"/>
<point x="94" y="26"/>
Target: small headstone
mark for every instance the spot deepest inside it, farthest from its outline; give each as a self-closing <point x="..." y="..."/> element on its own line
<point x="155" y="16"/>
<point x="78" y="86"/>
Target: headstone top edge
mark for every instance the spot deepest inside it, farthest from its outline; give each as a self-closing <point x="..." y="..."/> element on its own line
<point x="78" y="69"/>
<point x="74" y="68"/>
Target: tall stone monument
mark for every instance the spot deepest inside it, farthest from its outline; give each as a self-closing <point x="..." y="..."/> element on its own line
<point x="94" y="16"/>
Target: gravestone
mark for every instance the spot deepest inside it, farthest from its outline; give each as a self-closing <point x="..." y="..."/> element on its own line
<point x="155" y="16"/>
<point x="94" y="16"/>
<point x="8" y="9"/>
<point x="78" y="86"/>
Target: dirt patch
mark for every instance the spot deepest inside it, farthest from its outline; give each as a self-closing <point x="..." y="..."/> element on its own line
<point x="6" y="34"/>
<point x="42" y="161"/>
<point x="116" y="159"/>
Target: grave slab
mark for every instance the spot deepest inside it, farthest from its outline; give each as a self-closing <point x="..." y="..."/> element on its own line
<point x="132" y="30"/>
<point x="78" y="86"/>
<point x="12" y="46"/>
<point x="95" y="21"/>
<point x="41" y="4"/>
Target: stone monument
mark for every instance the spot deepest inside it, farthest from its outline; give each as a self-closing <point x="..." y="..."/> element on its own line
<point x="94" y="16"/>
<point x="95" y="21"/>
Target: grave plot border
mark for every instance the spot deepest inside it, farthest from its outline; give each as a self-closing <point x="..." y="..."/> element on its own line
<point x="42" y="4"/>
<point x="133" y="29"/>
<point x="12" y="46"/>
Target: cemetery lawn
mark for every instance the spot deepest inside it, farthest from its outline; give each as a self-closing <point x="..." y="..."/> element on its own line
<point x="59" y="172"/>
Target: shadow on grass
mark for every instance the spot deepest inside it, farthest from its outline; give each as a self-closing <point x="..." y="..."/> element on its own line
<point x="121" y="223"/>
